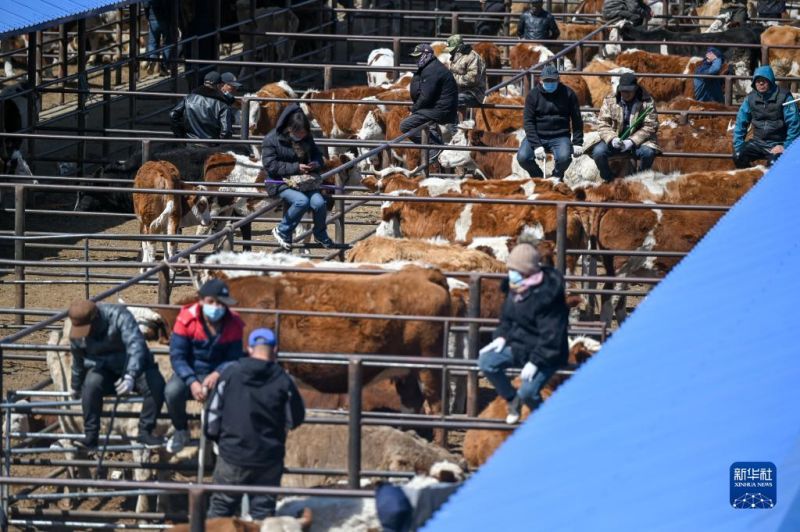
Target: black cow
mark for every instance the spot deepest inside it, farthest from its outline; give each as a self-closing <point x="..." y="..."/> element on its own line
<point x="189" y="160"/>
<point x="750" y="34"/>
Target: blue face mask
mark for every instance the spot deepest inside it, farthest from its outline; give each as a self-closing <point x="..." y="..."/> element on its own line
<point x="514" y="277"/>
<point x="213" y="312"/>
<point x="549" y="86"/>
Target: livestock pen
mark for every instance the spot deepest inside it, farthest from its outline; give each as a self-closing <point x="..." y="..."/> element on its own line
<point x="72" y="254"/>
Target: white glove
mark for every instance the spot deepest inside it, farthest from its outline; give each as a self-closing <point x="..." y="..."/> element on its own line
<point x="616" y="143"/>
<point x="528" y="371"/>
<point x="577" y="151"/>
<point x="124" y="385"/>
<point x="627" y="144"/>
<point x="539" y="153"/>
<point x="497" y="345"/>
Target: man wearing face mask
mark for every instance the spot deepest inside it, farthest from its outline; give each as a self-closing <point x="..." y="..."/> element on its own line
<point x="537" y="24"/>
<point x="551" y="113"/>
<point x="206" y="339"/>
<point x="469" y="71"/>
<point x="434" y="92"/>
<point x="532" y="333"/>
<point x="110" y="355"/>
<point x="628" y="127"/>
<point x="206" y="112"/>
<point x="775" y="122"/>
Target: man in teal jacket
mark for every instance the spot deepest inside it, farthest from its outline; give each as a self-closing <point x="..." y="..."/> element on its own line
<point x="775" y="121"/>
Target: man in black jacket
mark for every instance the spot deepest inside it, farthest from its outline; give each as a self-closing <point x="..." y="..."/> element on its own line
<point x="206" y="113"/>
<point x="434" y="92"/>
<point x="532" y="334"/>
<point x="536" y="23"/>
<point x="637" y="12"/>
<point x="289" y="154"/>
<point x="253" y="406"/>
<point x="550" y="109"/>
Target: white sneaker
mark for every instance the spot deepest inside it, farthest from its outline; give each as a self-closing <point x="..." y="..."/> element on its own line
<point x="178" y="441"/>
<point x="514" y="410"/>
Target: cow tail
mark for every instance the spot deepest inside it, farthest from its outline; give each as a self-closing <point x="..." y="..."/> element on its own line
<point x="168" y="200"/>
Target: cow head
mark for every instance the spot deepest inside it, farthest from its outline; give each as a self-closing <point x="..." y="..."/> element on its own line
<point x="390" y="179"/>
<point x="199" y="209"/>
<point x="350" y="177"/>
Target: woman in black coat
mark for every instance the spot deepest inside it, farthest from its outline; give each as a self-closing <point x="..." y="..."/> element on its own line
<point x="292" y="162"/>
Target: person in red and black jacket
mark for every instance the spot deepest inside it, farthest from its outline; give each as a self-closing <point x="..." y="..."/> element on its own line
<point x="207" y="338"/>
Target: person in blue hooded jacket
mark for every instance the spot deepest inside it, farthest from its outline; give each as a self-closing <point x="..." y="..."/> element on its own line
<point x="775" y="122"/>
<point x="709" y="89"/>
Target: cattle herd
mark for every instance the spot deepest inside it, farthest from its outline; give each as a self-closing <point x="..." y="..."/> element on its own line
<point x="425" y="250"/>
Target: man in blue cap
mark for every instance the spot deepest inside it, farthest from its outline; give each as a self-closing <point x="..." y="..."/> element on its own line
<point x="253" y="406"/>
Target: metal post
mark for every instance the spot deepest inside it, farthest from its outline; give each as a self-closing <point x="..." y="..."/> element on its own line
<point x="526" y="84"/>
<point x="133" y="61"/>
<point x="145" y="150"/>
<point x="33" y="118"/>
<point x="764" y="55"/>
<point x="578" y="57"/>
<point x="173" y="42"/>
<point x="19" y="249"/>
<point x="244" y="134"/>
<point x="121" y="49"/>
<point x="454" y="22"/>
<point x="216" y="17"/>
<point x="473" y="337"/>
<point x="354" y="424"/>
<point x="424" y="156"/>
<point x="106" y="110"/>
<point x="62" y="55"/>
<point x="163" y="286"/>
<point x="728" y="90"/>
<point x="39" y="48"/>
<point x="197" y="510"/>
<point x="195" y="44"/>
<point x="83" y="85"/>
<point x="339" y="225"/>
<point x="86" y="270"/>
<point x="4" y="488"/>
<point x="227" y="241"/>
<point x="396" y="50"/>
<point x="561" y="237"/>
<point x="327" y="77"/>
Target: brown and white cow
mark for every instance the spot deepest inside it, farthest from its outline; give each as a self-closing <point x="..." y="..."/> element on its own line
<point x="264" y="115"/>
<point x="661" y="89"/>
<point x="166" y="213"/>
<point x="784" y="61"/>
<point x="500" y="120"/>
<point x="719" y="124"/>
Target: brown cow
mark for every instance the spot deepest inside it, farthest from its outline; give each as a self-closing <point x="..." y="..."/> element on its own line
<point x="784" y="61"/>
<point x="688" y="138"/>
<point x="661" y="89"/>
<point x="166" y="213"/>
<point x="264" y="115"/>
<point x="718" y="124"/>
<point x="573" y="32"/>
<point x="524" y="55"/>
<point x="492" y="57"/>
<point x="600" y="86"/>
<point x="500" y="120"/>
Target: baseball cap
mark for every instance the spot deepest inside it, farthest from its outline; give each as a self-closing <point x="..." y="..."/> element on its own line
<point x="230" y="79"/>
<point x="549" y="72"/>
<point x="212" y="78"/>
<point x="218" y="290"/>
<point x="262" y="336"/>
<point x="627" y="82"/>
<point x="421" y="49"/>
<point x="81" y="313"/>
<point x="454" y="41"/>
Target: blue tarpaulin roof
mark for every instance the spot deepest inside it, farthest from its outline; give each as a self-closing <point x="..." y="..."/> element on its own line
<point x="19" y="16"/>
<point x="705" y="373"/>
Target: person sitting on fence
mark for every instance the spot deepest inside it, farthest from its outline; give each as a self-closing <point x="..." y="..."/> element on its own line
<point x="775" y="121"/>
<point x="206" y="338"/>
<point x="628" y="125"/>
<point x="709" y="89"/>
<point x="550" y="109"/>
<point x="292" y="162"/>
<point x="532" y="333"/>
<point x="252" y="408"/>
<point x="435" y="95"/>
<point x="637" y="12"/>
<point x="110" y="355"/>
<point x="206" y="112"/>
<point x="537" y="24"/>
<point x="469" y="71"/>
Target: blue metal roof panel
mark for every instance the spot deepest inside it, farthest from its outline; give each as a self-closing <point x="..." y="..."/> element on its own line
<point x="706" y="372"/>
<point x="30" y="15"/>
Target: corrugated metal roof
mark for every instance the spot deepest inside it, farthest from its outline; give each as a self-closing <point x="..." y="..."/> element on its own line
<point x="30" y="15"/>
<point x="705" y="373"/>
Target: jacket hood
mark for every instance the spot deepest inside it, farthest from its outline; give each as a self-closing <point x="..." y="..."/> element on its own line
<point x="257" y="372"/>
<point x="765" y="72"/>
<point x="290" y="110"/>
<point x="717" y="52"/>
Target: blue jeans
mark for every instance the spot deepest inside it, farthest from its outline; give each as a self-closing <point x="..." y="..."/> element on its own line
<point x="159" y="33"/>
<point x="493" y="365"/>
<point x="560" y="147"/>
<point x="602" y="151"/>
<point x="299" y="203"/>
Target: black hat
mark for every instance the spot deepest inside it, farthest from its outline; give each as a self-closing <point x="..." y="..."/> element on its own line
<point x="549" y="72"/>
<point x="420" y="49"/>
<point x="218" y="290"/>
<point x="627" y="82"/>
<point x="212" y="78"/>
<point x="230" y="79"/>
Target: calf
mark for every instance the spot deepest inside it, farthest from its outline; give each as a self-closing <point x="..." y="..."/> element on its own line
<point x="166" y="213"/>
<point x="784" y="61"/>
<point x="492" y="57"/>
<point x="380" y="57"/>
<point x="264" y="115"/>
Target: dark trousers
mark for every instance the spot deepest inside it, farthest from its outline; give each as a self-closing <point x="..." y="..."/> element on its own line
<point x="561" y="149"/>
<point x="227" y="504"/>
<point x="752" y="151"/>
<point x="602" y="151"/>
<point x="100" y="382"/>
<point x="415" y="120"/>
<point x="176" y="395"/>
